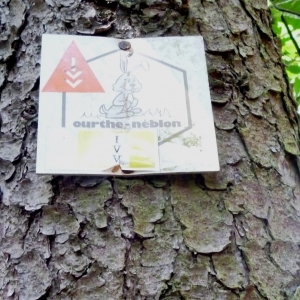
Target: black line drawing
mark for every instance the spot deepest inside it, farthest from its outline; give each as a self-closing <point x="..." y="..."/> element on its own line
<point x="157" y="112"/>
<point x="186" y="100"/>
<point x="125" y="103"/>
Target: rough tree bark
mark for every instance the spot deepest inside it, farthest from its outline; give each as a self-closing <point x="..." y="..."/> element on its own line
<point x="232" y="235"/>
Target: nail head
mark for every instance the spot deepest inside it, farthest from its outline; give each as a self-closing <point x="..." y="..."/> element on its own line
<point x="124" y="45"/>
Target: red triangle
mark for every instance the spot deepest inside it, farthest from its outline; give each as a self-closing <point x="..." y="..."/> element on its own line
<point x="73" y="74"/>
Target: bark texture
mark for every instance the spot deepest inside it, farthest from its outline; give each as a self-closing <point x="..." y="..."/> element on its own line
<point x="230" y="235"/>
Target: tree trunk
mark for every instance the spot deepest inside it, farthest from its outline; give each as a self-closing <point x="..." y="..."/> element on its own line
<point x="232" y="234"/>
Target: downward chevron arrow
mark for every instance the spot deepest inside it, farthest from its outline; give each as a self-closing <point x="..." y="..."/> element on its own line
<point x="73" y="76"/>
<point x="73" y="85"/>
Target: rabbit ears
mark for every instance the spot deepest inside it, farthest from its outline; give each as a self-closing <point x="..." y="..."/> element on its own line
<point x="123" y="62"/>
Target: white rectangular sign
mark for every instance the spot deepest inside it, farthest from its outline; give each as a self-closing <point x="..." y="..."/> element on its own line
<point x="144" y="110"/>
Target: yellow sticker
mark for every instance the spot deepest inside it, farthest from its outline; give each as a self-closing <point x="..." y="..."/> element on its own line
<point x="143" y="149"/>
<point x="131" y="149"/>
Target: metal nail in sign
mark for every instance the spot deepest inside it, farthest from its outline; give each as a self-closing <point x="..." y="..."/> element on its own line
<point x="116" y="107"/>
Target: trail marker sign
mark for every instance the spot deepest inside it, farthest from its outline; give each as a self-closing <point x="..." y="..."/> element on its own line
<point x="104" y="110"/>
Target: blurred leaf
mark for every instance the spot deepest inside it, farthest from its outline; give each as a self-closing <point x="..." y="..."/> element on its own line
<point x="297" y="86"/>
<point x="277" y="24"/>
<point x="286" y="25"/>
<point x="295" y="69"/>
<point x="292" y="6"/>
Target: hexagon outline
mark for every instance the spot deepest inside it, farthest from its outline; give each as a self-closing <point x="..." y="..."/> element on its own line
<point x="185" y="85"/>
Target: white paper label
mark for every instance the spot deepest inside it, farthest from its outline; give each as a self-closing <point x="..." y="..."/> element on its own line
<point x="156" y="102"/>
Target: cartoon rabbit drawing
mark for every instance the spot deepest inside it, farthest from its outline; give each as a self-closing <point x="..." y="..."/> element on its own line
<point x="125" y="103"/>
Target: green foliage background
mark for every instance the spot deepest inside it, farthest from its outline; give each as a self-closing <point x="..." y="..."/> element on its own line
<point x="286" y="24"/>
